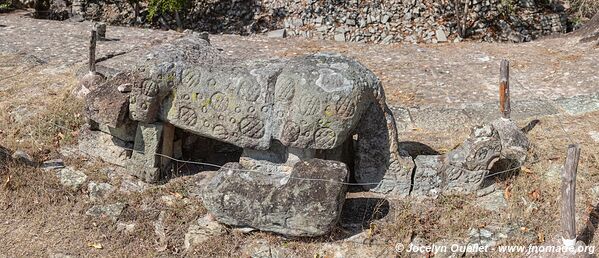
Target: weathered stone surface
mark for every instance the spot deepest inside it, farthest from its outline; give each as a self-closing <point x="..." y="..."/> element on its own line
<point x="494" y="201"/>
<point x="108" y="109"/>
<point x="280" y="202"/>
<point x="71" y="178"/>
<point x="128" y="228"/>
<point x="377" y="157"/>
<point x="441" y="36"/>
<point x="144" y="163"/>
<point x="428" y="180"/>
<point x="98" y="190"/>
<point x="277" y="33"/>
<point x="24" y="158"/>
<point x="514" y="143"/>
<point x="306" y="102"/>
<point x="479" y="152"/>
<point x="101" y="145"/>
<point x="106" y="105"/>
<point x="111" y="211"/>
<point x="203" y="230"/>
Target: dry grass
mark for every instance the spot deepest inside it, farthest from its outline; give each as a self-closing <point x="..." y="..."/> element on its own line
<point x="585" y="8"/>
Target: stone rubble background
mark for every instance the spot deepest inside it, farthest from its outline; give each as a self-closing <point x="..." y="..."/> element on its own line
<point x="379" y="21"/>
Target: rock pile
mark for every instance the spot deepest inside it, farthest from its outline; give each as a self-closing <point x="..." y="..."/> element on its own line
<point x="424" y="21"/>
<point x="380" y="21"/>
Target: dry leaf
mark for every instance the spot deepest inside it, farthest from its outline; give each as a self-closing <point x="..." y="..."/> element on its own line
<point x="7" y="181"/>
<point x="177" y="195"/>
<point x="508" y="192"/>
<point x="526" y="170"/>
<point x="535" y="195"/>
<point x="96" y="245"/>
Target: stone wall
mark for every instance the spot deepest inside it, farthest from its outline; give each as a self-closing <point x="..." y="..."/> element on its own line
<point x="427" y="21"/>
<point x="377" y="21"/>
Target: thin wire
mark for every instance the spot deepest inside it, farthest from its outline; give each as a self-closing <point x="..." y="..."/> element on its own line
<point x="267" y="173"/>
<point x="550" y="102"/>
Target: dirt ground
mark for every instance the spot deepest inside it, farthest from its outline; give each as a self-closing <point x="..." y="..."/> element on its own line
<point x="39" y="115"/>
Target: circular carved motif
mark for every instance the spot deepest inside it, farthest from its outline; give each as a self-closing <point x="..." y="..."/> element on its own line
<point x="251" y="127"/>
<point x="291" y="132"/>
<point x="309" y="105"/>
<point x="188" y="116"/>
<point x="219" y="101"/>
<point x="285" y="90"/>
<point x="248" y="90"/>
<point x="190" y="78"/>
<point x="325" y="138"/>
<point x="149" y="88"/>
<point x="220" y="131"/>
<point x="346" y="107"/>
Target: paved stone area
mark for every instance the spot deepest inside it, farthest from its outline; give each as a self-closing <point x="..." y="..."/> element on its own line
<point x="433" y="87"/>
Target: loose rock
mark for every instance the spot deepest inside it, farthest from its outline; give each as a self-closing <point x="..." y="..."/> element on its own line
<point x="98" y="190"/>
<point x="111" y="211"/>
<point x="71" y="178"/>
<point x="202" y="231"/>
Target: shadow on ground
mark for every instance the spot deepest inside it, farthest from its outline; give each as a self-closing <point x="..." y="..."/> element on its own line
<point x="359" y="213"/>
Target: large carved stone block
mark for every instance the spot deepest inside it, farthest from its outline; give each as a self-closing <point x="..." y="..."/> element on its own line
<point x="279" y="202"/>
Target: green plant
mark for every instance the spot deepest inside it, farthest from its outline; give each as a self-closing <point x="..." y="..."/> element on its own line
<point x="165" y="6"/>
<point x="508" y="7"/>
<point x="5" y="5"/>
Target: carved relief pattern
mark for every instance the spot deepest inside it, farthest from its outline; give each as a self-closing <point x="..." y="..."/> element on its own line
<point x="346" y="107"/>
<point x="149" y="88"/>
<point x="291" y="132"/>
<point x="286" y="90"/>
<point x="251" y="127"/>
<point x="220" y="132"/>
<point x="188" y="116"/>
<point x="248" y="90"/>
<point x="190" y="78"/>
<point x="309" y="105"/>
<point x="219" y="101"/>
<point x="325" y="138"/>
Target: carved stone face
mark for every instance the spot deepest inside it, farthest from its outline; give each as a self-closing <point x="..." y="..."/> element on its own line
<point x="150" y="87"/>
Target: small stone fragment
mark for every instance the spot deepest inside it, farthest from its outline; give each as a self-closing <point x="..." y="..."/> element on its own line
<point x="98" y="190"/>
<point x="203" y="230"/>
<point x="282" y="33"/>
<point x="125" y="227"/>
<point x="340" y="37"/>
<point x="494" y="201"/>
<point x="24" y="158"/>
<point x="112" y="211"/>
<point x="441" y="37"/>
<point x="70" y="178"/>
<point x="125" y="88"/>
<point x="52" y="164"/>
